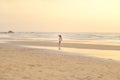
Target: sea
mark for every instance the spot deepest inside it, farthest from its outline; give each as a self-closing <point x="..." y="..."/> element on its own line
<point x="66" y="35"/>
<point x="91" y="38"/>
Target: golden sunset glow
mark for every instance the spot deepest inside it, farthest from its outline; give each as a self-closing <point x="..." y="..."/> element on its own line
<point x="60" y="15"/>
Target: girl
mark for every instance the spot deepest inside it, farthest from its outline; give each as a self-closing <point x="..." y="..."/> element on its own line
<point x="60" y="40"/>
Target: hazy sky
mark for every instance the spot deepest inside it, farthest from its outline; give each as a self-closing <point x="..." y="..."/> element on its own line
<point x="60" y="15"/>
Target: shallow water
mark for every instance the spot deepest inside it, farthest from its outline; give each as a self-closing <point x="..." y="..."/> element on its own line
<point x="106" y="54"/>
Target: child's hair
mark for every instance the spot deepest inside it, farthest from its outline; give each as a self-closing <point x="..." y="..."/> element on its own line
<point x="59" y="35"/>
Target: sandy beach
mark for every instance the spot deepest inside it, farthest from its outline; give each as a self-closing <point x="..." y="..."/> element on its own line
<point x="59" y="39"/>
<point x="18" y="63"/>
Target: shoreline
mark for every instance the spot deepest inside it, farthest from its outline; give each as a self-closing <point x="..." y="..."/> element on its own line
<point x="55" y="51"/>
<point x="15" y="47"/>
<point x="19" y="63"/>
<point x="107" y="52"/>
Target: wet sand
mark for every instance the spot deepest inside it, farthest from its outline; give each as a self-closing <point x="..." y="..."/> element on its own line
<point x="18" y="63"/>
<point x="92" y="50"/>
<point x="70" y="45"/>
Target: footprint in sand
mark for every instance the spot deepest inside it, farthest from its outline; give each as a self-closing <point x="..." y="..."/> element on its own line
<point x="25" y="77"/>
<point x="100" y="76"/>
<point x="31" y="65"/>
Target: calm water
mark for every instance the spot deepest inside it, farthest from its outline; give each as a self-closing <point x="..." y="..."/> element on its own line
<point x="100" y="36"/>
<point x="91" y="38"/>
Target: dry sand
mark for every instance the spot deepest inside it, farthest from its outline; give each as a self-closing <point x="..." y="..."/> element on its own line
<point x="18" y="63"/>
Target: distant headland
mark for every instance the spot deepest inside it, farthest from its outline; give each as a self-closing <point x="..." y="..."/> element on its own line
<point x="10" y="31"/>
